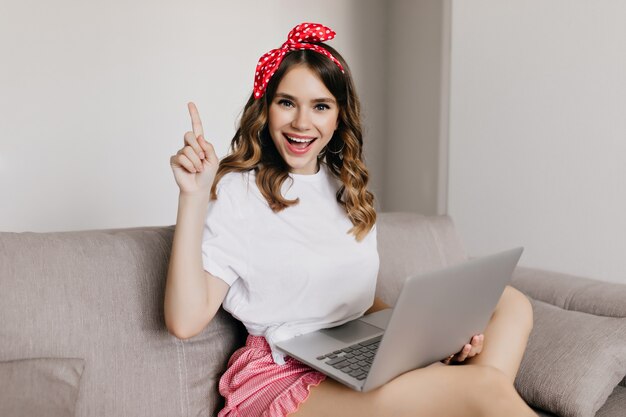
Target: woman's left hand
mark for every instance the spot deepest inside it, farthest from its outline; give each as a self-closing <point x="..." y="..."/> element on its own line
<point x="469" y="350"/>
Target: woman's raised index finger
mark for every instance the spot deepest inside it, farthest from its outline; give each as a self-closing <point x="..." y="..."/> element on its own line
<point x="196" y="124"/>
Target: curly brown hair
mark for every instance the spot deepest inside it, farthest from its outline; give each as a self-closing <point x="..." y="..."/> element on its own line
<point x="253" y="149"/>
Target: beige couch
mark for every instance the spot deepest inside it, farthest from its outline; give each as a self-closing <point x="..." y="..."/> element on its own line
<point x="82" y="330"/>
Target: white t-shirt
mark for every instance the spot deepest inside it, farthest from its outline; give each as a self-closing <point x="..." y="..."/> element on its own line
<point x="291" y="272"/>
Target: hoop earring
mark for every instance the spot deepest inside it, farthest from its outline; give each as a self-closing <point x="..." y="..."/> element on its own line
<point x="338" y="151"/>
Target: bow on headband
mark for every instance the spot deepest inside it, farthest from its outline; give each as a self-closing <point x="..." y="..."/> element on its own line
<point x="299" y="38"/>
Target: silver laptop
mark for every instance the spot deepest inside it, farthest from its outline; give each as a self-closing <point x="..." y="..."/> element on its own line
<point x="434" y="316"/>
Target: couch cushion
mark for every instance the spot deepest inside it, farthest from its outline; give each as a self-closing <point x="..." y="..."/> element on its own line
<point x="573" y="360"/>
<point x="615" y="406"/>
<point x="410" y="243"/>
<point x="40" y="387"/>
<point x="572" y="292"/>
<point x="98" y="295"/>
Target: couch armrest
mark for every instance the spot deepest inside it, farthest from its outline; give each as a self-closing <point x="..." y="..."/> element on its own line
<point x="572" y="292"/>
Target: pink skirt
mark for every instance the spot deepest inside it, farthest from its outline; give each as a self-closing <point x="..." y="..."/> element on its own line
<point x="255" y="386"/>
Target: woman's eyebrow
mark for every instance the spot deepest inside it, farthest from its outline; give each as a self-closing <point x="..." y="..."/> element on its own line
<point x="316" y="100"/>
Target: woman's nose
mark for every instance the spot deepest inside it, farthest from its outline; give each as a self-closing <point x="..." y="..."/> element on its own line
<point x="301" y="121"/>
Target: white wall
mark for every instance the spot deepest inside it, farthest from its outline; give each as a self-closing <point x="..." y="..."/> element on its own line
<point x="538" y="131"/>
<point x="416" y="77"/>
<point x="93" y="97"/>
<point x="92" y="105"/>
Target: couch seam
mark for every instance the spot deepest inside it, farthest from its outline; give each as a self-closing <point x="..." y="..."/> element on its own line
<point x="572" y="294"/>
<point x="442" y="257"/>
<point x="180" y="379"/>
<point x="182" y="343"/>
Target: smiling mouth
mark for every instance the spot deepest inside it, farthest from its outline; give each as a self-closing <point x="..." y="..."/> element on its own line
<point x="299" y="143"/>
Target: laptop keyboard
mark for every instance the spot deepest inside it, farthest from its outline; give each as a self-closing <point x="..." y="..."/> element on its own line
<point x="355" y="360"/>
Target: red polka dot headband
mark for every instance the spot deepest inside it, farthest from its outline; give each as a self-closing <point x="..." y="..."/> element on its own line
<point x="299" y="38"/>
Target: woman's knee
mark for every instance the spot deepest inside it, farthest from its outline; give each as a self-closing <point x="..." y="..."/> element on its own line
<point x="518" y="305"/>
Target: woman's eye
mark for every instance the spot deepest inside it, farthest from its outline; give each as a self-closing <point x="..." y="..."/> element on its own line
<point x="285" y="103"/>
<point x="322" y="107"/>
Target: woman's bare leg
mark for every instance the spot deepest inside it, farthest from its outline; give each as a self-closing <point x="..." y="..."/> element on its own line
<point x="435" y="391"/>
<point x="506" y="334"/>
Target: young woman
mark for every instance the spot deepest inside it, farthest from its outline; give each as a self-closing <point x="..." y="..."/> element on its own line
<point x="282" y="233"/>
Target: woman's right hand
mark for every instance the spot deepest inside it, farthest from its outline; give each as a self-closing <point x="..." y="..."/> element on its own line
<point x="196" y="163"/>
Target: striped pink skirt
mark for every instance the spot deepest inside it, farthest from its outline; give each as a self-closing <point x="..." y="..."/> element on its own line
<point x="255" y="386"/>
